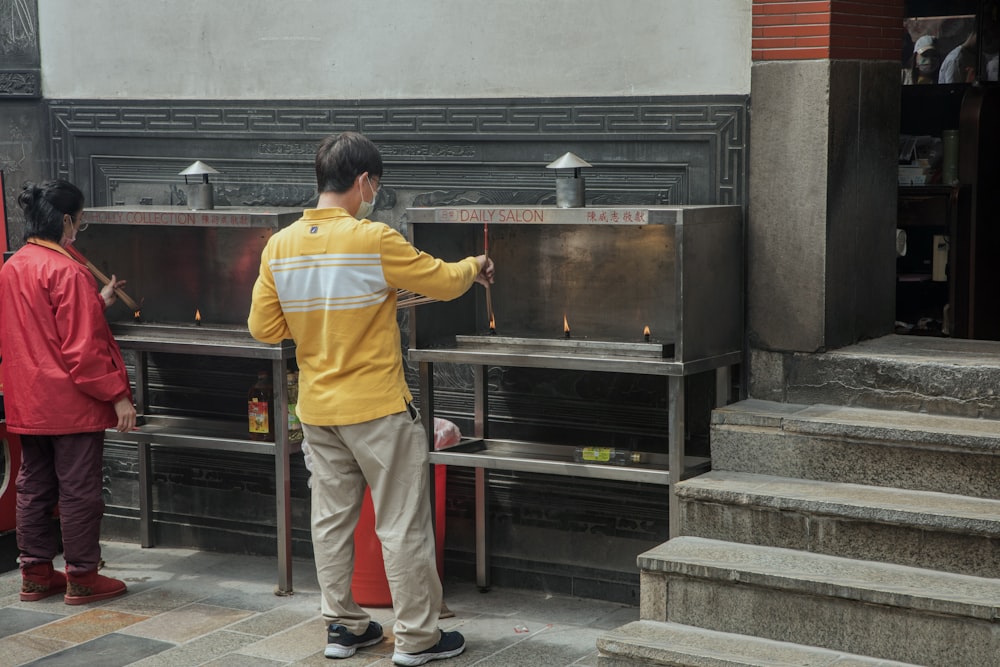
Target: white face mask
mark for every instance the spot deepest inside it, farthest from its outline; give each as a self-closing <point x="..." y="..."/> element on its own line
<point x="366" y="207"/>
<point x="69" y="238"/>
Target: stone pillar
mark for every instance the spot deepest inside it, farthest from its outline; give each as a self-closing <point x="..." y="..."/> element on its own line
<point x="825" y="89"/>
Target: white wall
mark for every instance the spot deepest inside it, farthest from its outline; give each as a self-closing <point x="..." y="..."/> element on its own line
<point x="392" y="49"/>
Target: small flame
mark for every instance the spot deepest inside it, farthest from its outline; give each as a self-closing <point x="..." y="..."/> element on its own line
<point x="137" y="315"/>
<point x="565" y="325"/>
<point x="197" y="316"/>
<point x="493" y="324"/>
<point x="645" y="333"/>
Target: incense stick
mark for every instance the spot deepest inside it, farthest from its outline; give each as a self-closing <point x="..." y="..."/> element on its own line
<point x="489" y="292"/>
<point x="406" y="298"/>
<point x="78" y="256"/>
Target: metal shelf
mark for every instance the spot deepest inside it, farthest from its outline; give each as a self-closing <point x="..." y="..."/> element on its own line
<point x="187" y="432"/>
<point x="578" y="362"/>
<point x="207" y="340"/>
<point x="213" y="434"/>
<point x="523" y="456"/>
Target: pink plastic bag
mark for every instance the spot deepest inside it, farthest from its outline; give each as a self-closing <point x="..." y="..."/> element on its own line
<point x="446" y="434"/>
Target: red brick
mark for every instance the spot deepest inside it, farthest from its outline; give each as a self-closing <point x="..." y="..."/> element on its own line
<point x="812" y="41"/>
<point x="792" y="8"/>
<point x="817" y="17"/>
<point x="773" y="43"/>
<point x="795" y="54"/>
<point x="793" y="30"/>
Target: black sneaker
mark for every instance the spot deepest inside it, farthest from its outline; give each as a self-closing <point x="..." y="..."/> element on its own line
<point x="450" y="645"/>
<point x="343" y="644"/>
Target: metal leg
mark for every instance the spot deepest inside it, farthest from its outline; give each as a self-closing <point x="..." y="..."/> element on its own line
<point x="482" y="422"/>
<point x="141" y="383"/>
<point x="675" y="448"/>
<point x="145" y="494"/>
<point x="282" y="479"/>
<point x="427" y="417"/>
<point x="482" y="530"/>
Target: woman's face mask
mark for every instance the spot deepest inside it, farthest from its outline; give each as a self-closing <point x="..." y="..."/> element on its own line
<point x="70" y="229"/>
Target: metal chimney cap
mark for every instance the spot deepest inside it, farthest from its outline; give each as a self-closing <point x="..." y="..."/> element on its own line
<point x="198" y="167"/>
<point x="568" y="161"/>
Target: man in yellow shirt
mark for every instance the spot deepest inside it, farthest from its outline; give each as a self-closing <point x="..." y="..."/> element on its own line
<point x="328" y="281"/>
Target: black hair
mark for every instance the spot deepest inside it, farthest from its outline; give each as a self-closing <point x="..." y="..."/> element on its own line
<point x="45" y="205"/>
<point x="341" y="158"/>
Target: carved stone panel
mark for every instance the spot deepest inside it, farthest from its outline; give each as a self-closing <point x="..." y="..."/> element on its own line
<point x="20" y="76"/>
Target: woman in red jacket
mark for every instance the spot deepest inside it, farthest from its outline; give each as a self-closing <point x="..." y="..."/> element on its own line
<point x="64" y="383"/>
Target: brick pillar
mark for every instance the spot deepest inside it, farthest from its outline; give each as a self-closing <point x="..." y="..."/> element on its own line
<point x="784" y="30"/>
<point x="824" y="99"/>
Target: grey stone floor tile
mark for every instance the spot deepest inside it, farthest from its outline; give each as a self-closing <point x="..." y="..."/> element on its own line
<point x="615" y="618"/>
<point x="293" y="644"/>
<point x="90" y="624"/>
<point x="256" y="596"/>
<point x="187" y="623"/>
<point x="208" y="647"/>
<point x="274" y="621"/>
<point x="549" y="646"/>
<point x="23" y="648"/>
<point x="238" y="660"/>
<point x="529" y="605"/>
<point x="112" y="650"/>
<point x="359" y="659"/>
<point x="10" y="585"/>
<point x="156" y="600"/>
<point x="14" y="620"/>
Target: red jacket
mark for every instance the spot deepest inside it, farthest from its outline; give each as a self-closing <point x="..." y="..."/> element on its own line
<point x="62" y="368"/>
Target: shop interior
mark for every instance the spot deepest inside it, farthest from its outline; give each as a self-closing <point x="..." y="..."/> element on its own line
<point x="949" y="202"/>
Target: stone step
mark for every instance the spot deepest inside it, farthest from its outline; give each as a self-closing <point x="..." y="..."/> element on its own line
<point x="887" y="611"/>
<point x="912" y="373"/>
<point x="924" y="529"/>
<point x="652" y="643"/>
<point x="958" y="455"/>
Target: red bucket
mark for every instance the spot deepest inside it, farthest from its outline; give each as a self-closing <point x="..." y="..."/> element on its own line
<point x="10" y="453"/>
<point x="369" y="585"/>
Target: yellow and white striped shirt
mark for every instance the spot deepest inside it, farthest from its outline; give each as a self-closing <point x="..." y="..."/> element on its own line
<point x="328" y="282"/>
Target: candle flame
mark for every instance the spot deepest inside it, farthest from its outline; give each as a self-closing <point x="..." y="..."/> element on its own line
<point x="197" y="315"/>
<point x="645" y="332"/>
<point x="137" y="315"/>
<point x="565" y="323"/>
<point x="493" y="323"/>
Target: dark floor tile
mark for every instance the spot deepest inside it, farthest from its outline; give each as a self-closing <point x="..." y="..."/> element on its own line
<point x="13" y="620"/>
<point x="113" y="650"/>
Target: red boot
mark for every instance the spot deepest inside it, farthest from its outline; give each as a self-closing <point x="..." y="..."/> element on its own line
<point x="39" y="581"/>
<point x="90" y="587"/>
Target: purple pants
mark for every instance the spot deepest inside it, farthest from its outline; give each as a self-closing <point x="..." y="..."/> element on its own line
<point x="63" y="469"/>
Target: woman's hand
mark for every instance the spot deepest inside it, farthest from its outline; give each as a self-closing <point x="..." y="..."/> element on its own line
<point x="108" y="291"/>
<point x="126" y="414"/>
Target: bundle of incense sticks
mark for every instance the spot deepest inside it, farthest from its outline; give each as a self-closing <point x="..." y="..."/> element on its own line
<point x="406" y="298"/>
<point x="103" y="279"/>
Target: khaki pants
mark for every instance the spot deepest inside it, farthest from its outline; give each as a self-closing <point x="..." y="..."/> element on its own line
<point x="391" y="455"/>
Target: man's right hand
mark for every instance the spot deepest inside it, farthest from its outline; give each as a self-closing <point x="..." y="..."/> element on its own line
<point x="486" y="270"/>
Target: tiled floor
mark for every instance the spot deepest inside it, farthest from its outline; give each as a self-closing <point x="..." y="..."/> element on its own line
<point x="187" y="608"/>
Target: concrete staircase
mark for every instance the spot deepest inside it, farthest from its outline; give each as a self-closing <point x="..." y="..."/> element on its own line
<point x="854" y="522"/>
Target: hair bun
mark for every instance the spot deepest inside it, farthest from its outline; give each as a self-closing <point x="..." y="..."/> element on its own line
<point x="28" y="198"/>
